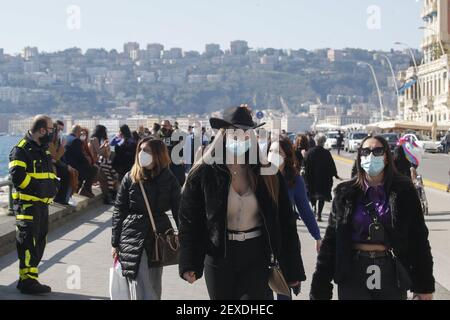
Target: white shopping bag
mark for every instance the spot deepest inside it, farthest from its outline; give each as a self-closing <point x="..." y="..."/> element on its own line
<point x="118" y="284"/>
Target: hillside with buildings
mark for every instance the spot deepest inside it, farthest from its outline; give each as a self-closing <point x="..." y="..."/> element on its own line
<point x="158" y="81"/>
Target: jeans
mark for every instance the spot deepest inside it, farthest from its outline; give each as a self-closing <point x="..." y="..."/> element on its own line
<point x="148" y="283"/>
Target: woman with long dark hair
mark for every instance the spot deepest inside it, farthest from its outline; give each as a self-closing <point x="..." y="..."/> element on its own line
<point x="99" y="143"/>
<point x="101" y="151"/>
<point x="296" y="186"/>
<point x="287" y="164"/>
<point x="376" y="245"/>
<point x="301" y="148"/>
<point x="235" y="218"/>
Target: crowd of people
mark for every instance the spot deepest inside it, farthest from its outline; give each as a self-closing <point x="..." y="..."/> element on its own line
<point x="237" y="224"/>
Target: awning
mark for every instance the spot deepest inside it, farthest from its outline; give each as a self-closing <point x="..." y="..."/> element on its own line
<point x="408" y="84"/>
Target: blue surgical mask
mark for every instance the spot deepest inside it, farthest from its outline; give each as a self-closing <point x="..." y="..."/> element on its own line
<point x="238" y="148"/>
<point x="373" y="165"/>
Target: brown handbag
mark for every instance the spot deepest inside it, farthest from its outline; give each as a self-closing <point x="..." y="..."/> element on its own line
<point x="277" y="282"/>
<point x="166" y="245"/>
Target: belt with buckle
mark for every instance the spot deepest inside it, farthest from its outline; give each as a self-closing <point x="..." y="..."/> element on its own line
<point x="242" y="236"/>
<point x="372" y="254"/>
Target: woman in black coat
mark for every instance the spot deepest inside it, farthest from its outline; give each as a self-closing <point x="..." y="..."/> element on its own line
<point x="319" y="172"/>
<point x="376" y="245"/>
<point x="132" y="234"/>
<point x="236" y="218"/>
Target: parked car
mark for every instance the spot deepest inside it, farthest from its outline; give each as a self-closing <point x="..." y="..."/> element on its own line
<point x="424" y="142"/>
<point x="392" y="139"/>
<point x="331" y="142"/>
<point x="353" y="141"/>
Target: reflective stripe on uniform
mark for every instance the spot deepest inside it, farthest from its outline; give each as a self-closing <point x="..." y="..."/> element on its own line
<point x="22" y="143"/>
<point x="28" y="270"/>
<point x="17" y="163"/>
<point x="43" y="175"/>
<point x="28" y="276"/>
<point x="27" y="197"/>
<point x="38" y="176"/>
<point x="26" y="206"/>
<point x="28" y="273"/>
<point x="27" y="258"/>
<point x="25" y="182"/>
<point x="24" y="217"/>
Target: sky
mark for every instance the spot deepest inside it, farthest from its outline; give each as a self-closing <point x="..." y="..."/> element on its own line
<point x="53" y="25"/>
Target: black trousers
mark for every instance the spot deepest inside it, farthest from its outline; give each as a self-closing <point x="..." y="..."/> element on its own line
<point x="242" y="275"/>
<point x="31" y="238"/>
<point x="87" y="177"/>
<point x="62" y="171"/>
<point x="362" y="285"/>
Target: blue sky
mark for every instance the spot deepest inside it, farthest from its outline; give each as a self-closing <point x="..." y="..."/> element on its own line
<point x="192" y="23"/>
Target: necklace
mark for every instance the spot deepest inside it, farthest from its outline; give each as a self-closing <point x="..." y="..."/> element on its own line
<point x="235" y="172"/>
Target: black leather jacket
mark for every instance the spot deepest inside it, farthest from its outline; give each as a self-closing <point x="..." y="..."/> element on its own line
<point x="131" y="226"/>
<point x="203" y="216"/>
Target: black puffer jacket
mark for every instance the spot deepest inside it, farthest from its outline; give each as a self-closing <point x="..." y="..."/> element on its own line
<point x="203" y="216"/>
<point x="130" y="223"/>
<point x="408" y="237"/>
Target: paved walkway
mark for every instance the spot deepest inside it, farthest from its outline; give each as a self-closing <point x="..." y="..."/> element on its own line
<point x="83" y="247"/>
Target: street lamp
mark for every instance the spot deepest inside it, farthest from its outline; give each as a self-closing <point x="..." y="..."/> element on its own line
<point x="392" y="72"/>
<point x="410" y="53"/>
<point x="394" y="79"/>
<point x="360" y="63"/>
<point x="419" y="93"/>
<point x="434" y="31"/>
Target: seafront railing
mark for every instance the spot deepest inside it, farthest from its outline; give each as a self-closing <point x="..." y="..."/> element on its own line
<point x="8" y="183"/>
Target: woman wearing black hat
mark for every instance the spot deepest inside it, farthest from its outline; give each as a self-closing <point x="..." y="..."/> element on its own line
<point x="235" y="219"/>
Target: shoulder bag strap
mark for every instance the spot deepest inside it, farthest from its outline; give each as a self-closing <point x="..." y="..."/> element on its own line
<point x="370" y="209"/>
<point x="147" y="204"/>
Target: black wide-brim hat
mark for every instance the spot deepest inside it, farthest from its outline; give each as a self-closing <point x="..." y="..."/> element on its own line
<point x="235" y="117"/>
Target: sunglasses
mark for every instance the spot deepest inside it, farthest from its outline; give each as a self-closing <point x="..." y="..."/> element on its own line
<point x="377" y="152"/>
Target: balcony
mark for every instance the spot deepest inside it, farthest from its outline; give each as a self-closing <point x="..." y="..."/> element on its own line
<point x="429" y="41"/>
<point x="430" y="10"/>
<point x="411" y="105"/>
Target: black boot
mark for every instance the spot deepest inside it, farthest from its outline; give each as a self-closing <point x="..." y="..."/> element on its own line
<point x="31" y="286"/>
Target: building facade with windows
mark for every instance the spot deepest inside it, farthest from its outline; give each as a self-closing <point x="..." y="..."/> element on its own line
<point x="425" y="93"/>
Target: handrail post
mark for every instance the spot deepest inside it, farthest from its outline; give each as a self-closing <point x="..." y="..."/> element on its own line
<point x="11" y="206"/>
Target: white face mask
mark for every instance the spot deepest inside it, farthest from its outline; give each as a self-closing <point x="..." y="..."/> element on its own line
<point x="275" y="158"/>
<point x="274" y="155"/>
<point x="83" y="137"/>
<point x="145" y="159"/>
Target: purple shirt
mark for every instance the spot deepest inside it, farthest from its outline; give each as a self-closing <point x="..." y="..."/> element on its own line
<point x="361" y="219"/>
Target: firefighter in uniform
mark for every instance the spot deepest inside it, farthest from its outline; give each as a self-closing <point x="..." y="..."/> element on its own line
<point x="35" y="186"/>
